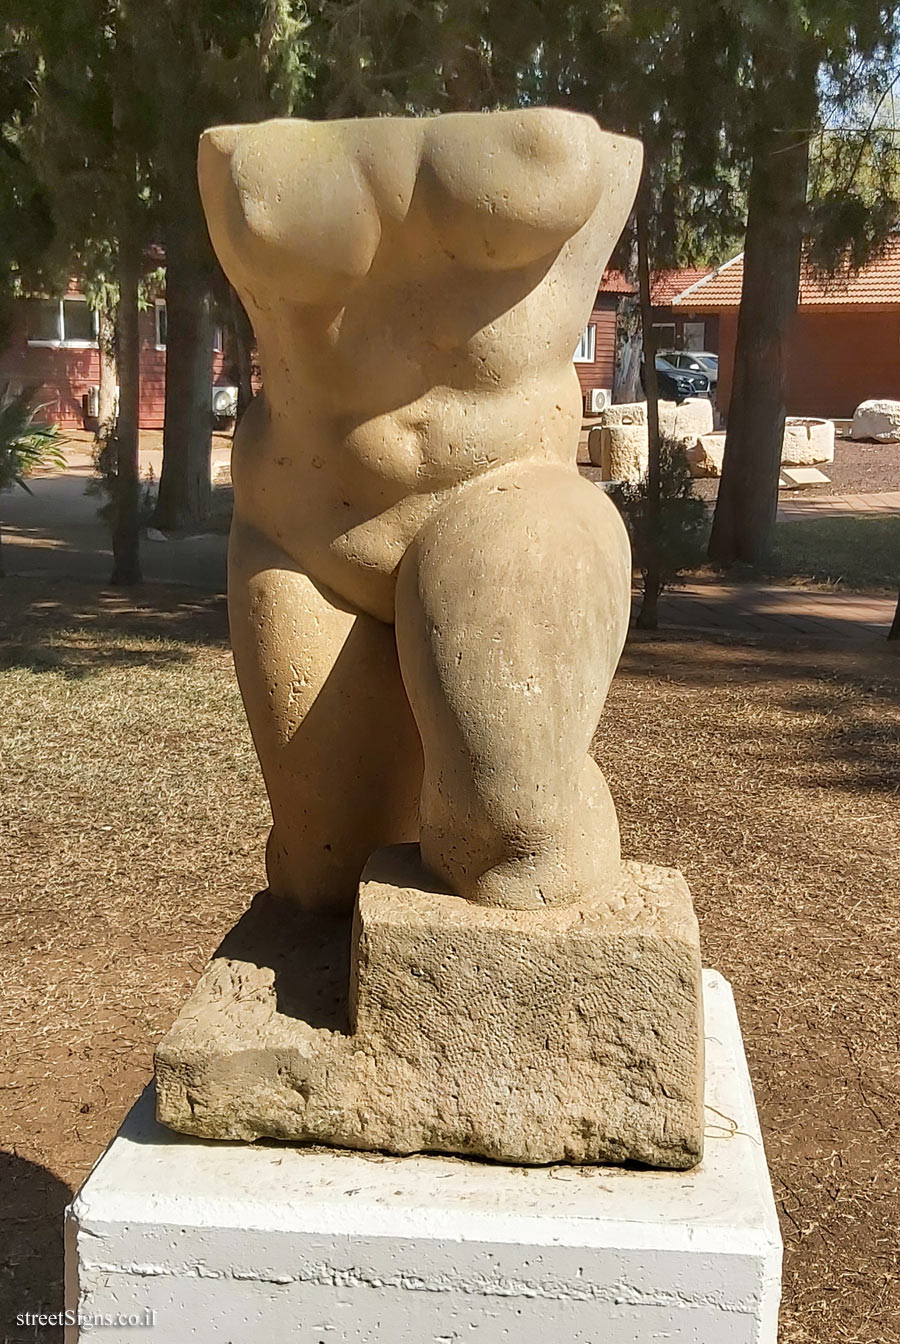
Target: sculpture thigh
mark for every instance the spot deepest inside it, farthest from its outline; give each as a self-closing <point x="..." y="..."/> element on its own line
<point x="332" y="726"/>
<point x="511" y="612"/>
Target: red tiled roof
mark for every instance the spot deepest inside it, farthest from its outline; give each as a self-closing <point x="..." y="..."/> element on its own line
<point x="614" y="282"/>
<point x="664" y="284"/>
<point x="877" y="283"/>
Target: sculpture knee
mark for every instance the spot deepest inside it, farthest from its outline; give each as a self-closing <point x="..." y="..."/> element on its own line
<point x="507" y="707"/>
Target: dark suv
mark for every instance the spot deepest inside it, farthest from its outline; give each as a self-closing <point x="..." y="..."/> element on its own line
<point x="695" y="361"/>
<point x="677" y="384"/>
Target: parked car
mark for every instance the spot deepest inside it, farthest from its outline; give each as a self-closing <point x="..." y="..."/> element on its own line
<point x="677" y="384"/>
<point x="695" y="361"/>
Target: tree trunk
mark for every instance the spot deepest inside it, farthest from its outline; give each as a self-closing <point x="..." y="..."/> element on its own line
<point x="776" y="215"/>
<point x="184" y="483"/>
<point x="627" y="376"/>
<point x="109" y="376"/>
<point x="3" y="571"/>
<point x="126" y="523"/>
<point x="893" y="633"/>
<point x="648" y="617"/>
<point x="242" y="358"/>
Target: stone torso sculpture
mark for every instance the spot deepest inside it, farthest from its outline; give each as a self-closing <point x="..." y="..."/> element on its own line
<point x="427" y="602"/>
<point x="427" y="605"/>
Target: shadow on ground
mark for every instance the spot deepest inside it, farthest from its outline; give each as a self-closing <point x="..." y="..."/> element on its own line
<point x="33" y="1202"/>
<point x="845" y="698"/>
<point x="55" y="626"/>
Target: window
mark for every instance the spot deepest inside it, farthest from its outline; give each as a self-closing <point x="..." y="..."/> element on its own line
<point x="585" y="351"/>
<point x="695" y="335"/>
<point x="79" y="322"/>
<point x="60" y="322"/>
<point x="162" y="329"/>
<point x="664" y="332"/>
<point x="43" y="321"/>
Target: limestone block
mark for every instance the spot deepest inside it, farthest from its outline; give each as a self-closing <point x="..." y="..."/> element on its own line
<point x="626" y="413"/>
<point x="684" y="421"/>
<point x="878" y="420"/>
<point x="807" y="441"/>
<point x="677" y="419"/>
<point x="704" y="457"/>
<point x="570" y="1033"/>
<point x="595" y="440"/>
<point x="620" y="445"/>
<point x="624" y="452"/>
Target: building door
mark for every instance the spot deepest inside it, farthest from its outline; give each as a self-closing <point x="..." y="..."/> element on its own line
<point x="694" y="335"/>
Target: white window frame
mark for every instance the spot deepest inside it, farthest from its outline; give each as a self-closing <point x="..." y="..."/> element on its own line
<point x="586" y="349"/>
<point x="61" y="343"/>
<point x="218" y="332"/>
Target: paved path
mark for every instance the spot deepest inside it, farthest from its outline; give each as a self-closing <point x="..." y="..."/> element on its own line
<point x="769" y="609"/>
<point x="56" y="532"/>
<point x="793" y="509"/>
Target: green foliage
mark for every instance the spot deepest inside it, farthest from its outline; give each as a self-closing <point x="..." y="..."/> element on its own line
<point x="105" y="483"/>
<point x="681" y="538"/>
<point x="25" y="445"/>
<point x="855" y="170"/>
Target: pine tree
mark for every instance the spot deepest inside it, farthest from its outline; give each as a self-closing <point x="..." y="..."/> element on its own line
<point x="802" y="59"/>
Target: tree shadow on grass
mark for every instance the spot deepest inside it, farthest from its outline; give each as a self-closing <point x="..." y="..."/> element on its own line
<point x="848" y="697"/>
<point x="74" y="629"/>
<point x="32" y="1205"/>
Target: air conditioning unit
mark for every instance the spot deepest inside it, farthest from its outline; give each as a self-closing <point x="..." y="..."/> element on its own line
<point x="598" y="399"/>
<point x="90" y="402"/>
<point x="224" y="402"/>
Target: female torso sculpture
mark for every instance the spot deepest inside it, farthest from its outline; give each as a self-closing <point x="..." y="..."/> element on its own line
<point x="406" y="482"/>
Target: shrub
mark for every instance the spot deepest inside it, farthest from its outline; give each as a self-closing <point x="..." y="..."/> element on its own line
<point x="682" y="517"/>
<point x="24" y="445"/>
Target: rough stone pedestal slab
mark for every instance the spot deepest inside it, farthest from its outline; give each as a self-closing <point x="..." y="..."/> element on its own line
<point x="264" y="1243"/>
<point x="570" y="1033"/>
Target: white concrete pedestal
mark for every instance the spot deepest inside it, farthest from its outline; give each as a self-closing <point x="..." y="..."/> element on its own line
<point x="237" y="1244"/>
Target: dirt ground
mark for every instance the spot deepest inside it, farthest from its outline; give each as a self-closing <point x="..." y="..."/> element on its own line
<point x="133" y="824"/>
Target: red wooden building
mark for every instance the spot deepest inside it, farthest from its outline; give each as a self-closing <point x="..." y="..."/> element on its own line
<point x="844" y="344"/>
<point x="54" y="347"/>
<point x="595" y="358"/>
<point x="675" y="329"/>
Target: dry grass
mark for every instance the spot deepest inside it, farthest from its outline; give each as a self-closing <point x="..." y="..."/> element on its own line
<point x="771" y="778"/>
<point x="133" y="823"/>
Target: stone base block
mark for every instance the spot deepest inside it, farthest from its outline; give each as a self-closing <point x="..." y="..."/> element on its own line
<point x="807" y="441"/>
<point x="260" y="1243"/>
<point x="569" y="1034"/>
